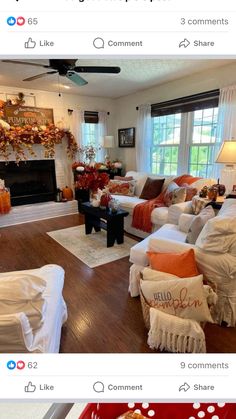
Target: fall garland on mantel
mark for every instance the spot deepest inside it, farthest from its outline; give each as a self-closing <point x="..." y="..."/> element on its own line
<point x="21" y="138"/>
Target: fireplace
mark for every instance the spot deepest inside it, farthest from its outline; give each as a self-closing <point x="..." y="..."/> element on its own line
<point x="30" y="181"/>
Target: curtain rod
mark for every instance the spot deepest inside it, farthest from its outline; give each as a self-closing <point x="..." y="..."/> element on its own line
<point x="70" y="111"/>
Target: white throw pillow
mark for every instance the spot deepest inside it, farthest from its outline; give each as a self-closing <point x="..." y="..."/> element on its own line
<point x="174" y="194"/>
<point x="140" y="178"/>
<point x="182" y="297"/>
<point x="228" y="208"/>
<point x="218" y="235"/>
<point x="198" y="223"/>
<point x="148" y="274"/>
<point x="185" y="221"/>
<point x="22" y="293"/>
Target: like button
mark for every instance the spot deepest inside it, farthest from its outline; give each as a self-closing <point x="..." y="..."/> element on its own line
<point x="30" y="43"/>
<point x="30" y="388"/>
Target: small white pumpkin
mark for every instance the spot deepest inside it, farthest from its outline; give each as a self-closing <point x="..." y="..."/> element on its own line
<point x="80" y="169"/>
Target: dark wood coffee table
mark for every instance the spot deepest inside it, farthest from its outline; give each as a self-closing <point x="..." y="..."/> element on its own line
<point x="112" y="222"/>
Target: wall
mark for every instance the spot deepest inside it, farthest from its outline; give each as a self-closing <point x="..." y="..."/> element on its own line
<point x="126" y="113"/>
<point x="123" y="112"/>
<point x="60" y="106"/>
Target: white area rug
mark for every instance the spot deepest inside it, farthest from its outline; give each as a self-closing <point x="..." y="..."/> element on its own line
<point x="91" y="249"/>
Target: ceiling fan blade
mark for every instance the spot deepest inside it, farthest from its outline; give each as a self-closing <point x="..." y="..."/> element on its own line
<point x="25" y="63"/>
<point x="39" y="76"/>
<point x="75" y="78"/>
<point x="95" y="69"/>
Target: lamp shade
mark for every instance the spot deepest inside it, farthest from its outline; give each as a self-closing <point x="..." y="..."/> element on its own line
<point x="108" y="141"/>
<point x="227" y="153"/>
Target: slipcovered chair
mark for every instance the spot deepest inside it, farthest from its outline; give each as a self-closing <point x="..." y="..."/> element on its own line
<point x="215" y="251"/>
<point x="32" y="310"/>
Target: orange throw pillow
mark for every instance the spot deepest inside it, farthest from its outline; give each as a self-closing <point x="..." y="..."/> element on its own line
<point x="179" y="264"/>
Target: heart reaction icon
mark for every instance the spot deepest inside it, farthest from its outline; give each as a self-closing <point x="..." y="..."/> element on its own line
<point x="20" y="21"/>
<point x="20" y="365"/>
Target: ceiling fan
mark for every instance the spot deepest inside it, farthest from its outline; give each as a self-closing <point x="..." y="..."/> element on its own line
<point x="67" y="68"/>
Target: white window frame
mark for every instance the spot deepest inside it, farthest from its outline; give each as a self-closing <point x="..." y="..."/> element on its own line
<point x="184" y="147"/>
<point x="86" y="135"/>
<point x="167" y="146"/>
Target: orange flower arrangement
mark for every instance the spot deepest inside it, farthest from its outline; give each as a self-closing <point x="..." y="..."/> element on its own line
<point x="21" y="138"/>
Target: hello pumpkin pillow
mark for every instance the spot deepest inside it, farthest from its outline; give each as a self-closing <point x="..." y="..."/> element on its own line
<point x="182" y="297"/>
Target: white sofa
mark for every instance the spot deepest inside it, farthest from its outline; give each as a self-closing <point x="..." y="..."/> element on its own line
<point x="215" y="252"/>
<point x="15" y="332"/>
<point x="159" y="216"/>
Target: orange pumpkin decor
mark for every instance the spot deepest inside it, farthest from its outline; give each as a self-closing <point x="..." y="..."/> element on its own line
<point x="212" y="193"/>
<point x="5" y="199"/>
<point x="67" y="193"/>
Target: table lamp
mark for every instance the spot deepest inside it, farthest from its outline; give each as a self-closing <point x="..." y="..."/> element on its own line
<point x="108" y="142"/>
<point x="227" y="156"/>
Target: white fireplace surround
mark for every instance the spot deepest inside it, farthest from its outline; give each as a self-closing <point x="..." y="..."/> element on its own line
<point x="64" y="175"/>
<point x="34" y="212"/>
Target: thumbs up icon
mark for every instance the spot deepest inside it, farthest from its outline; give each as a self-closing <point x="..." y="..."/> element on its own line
<point x="30" y="43"/>
<point x="30" y="388"/>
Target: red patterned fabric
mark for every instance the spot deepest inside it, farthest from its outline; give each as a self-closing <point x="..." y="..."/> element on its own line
<point x="142" y="212"/>
<point x="162" y="410"/>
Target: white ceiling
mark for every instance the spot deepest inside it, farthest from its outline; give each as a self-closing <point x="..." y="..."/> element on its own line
<point x="135" y="75"/>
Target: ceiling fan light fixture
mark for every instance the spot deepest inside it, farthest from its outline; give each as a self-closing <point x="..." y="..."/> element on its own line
<point x="66" y="68"/>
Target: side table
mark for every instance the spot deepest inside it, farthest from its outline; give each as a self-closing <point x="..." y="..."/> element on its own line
<point x="215" y="204"/>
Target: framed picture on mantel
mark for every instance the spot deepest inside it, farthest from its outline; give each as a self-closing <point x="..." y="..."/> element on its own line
<point x="126" y="137"/>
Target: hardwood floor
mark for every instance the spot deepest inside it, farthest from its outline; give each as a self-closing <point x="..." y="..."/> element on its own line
<point x="102" y="315"/>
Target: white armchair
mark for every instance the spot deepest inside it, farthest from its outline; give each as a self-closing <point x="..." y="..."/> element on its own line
<point x="16" y="334"/>
<point x="215" y="252"/>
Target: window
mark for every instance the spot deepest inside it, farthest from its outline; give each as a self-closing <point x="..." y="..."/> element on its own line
<point x="184" y="135"/>
<point x="90" y="134"/>
<point x="165" y="147"/>
<point x="90" y="129"/>
<point x="202" y="142"/>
